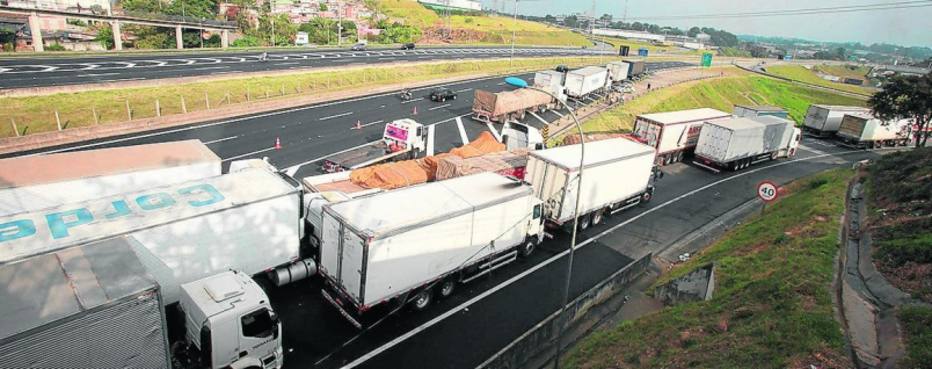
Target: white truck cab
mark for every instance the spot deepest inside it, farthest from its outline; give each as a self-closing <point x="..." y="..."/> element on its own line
<point x="406" y="133"/>
<point x="522" y="136"/>
<point x="229" y="320"/>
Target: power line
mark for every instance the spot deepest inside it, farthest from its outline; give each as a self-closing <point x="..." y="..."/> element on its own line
<point x="802" y="11"/>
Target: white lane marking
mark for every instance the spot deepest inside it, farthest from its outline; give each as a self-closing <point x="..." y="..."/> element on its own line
<point x="412" y="100"/>
<point x="336" y="116"/>
<point x="249" y="154"/>
<point x="386" y="58"/>
<point x="494" y="131"/>
<point x="539" y="118"/>
<point x="122" y="79"/>
<point x="289" y="63"/>
<point x="431" y="132"/>
<point x="4" y="69"/>
<point x="242" y="118"/>
<point x="220" y="140"/>
<point x="463" y="90"/>
<point x="371" y="123"/>
<point x="49" y="68"/>
<point x="459" y="126"/>
<point x="210" y="68"/>
<point x="97" y="74"/>
<point x="500" y="84"/>
<point x="807" y="148"/>
<point x="556" y="257"/>
<point x="440" y="107"/>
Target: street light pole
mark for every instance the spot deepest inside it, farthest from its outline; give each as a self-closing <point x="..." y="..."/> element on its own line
<point x="514" y="28"/>
<point x="569" y="266"/>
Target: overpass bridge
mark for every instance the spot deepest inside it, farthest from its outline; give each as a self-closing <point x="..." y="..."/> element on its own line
<point x="179" y="23"/>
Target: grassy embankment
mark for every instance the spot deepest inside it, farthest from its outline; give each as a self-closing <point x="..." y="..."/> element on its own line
<point x="485" y="29"/>
<point x="800" y="73"/>
<point x="722" y="94"/>
<point x="37" y="113"/>
<point x="772" y="306"/>
<point x="900" y="202"/>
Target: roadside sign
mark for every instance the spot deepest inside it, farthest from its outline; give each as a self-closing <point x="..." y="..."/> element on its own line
<point x="706" y="60"/>
<point x="767" y="191"/>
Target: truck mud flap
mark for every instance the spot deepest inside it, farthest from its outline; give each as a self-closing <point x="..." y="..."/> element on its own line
<point x="713" y="169"/>
<point x="340" y="308"/>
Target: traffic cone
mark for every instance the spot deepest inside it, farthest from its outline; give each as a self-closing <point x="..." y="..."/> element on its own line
<point x="278" y="143"/>
<point x="358" y="125"/>
<point x="415" y="110"/>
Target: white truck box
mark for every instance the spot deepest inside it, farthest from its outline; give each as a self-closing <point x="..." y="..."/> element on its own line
<point x="84" y="307"/>
<point x="674" y="132"/>
<point x="824" y="120"/>
<point x="31" y="183"/>
<point x="584" y="81"/>
<point x="247" y="221"/>
<point x="551" y="81"/>
<point x="618" y="71"/>
<point x="615" y="170"/>
<point x="741" y="138"/>
<point x="863" y="128"/>
<point x="380" y="246"/>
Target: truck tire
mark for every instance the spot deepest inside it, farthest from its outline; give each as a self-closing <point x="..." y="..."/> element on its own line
<point x="446" y="288"/>
<point x="679" y="156"/>
<point x="421" y="300"/>
<point x="597" y="216"/>
<point x="584" y="222"/>
<point x="527" y="248"/>
<point x="647" y="196"/>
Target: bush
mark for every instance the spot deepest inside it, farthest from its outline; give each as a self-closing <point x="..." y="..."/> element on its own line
<point x="246" y="41"/>
<point x="105" y="37"/>
<point x="55" y="47"/>
<point x="917" y="324"/>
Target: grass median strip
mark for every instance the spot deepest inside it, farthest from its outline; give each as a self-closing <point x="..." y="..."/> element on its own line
<point x="36" y="114"/>
<point x="772" y="306"/>
<point x="800" y="73"/>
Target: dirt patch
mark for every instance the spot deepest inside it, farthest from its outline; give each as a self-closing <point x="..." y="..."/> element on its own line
<point x="911" y="276"/>
<point x="822" y="359"/>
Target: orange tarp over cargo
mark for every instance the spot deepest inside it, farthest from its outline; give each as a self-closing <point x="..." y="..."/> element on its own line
<point x="482" y="145"/>
<point x="496" y="104"/>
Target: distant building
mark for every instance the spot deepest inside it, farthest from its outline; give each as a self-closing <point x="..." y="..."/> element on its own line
<point x="461" y="5"/>
<point x="82" y="6"/>
<point x="637" y="35"/>
<point x="899" y="70"/>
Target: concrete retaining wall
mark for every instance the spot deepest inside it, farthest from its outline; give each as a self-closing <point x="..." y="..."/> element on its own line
<point x="698" y="285"/>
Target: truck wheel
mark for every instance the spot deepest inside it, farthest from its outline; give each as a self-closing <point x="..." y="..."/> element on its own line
<point x="647" y="196"/>
<point x="454" y="97"/>
<point x="422" y="300"/>
<point x="584" y="222"/>
<point x="679" y="156"/>
<point x="527" y="248"/>
<point x="447" y="287"/>
<point x="598" y="216"/>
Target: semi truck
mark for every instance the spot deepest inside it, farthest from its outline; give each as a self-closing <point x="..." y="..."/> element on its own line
<point x="509" y="105"/>
<point x="551" y="81"/>
<point x="584" y="81"/>
<point x="394" y="248"/>
<point x="618" y="174"/>
<point x="618" y="71"/>
<point x="636" y="67"/>
<point x="866" y="131"/>
<point x="674" y="134"/>
<point x="41" y="181"/>
<point x="759" y="110"/>
<point x="402" y="139"/>
<point x="97" y="306"/>
<point x="824" y="120"/>
<point x="741" y="142"/>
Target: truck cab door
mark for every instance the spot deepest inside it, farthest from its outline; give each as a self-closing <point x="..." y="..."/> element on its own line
<point x="259" y="337"/>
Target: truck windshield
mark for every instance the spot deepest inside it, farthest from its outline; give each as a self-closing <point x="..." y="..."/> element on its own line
<point x="258" y="324"/>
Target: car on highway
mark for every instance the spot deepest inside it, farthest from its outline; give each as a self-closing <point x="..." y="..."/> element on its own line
<point x="442" y="94"/>
<point x="359" y="47"/>
<point x="407" y="46"/>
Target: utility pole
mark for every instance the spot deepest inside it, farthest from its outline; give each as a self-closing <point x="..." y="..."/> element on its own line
<point x="339" y="27"/>
<point x="514" y="28"/>
<point x="272" y="18"/>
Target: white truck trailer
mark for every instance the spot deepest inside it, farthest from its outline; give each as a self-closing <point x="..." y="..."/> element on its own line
<point x="674" y="134"/>
<point x="740" y="142"/>
<point x="824" y="120"/>
<point x="247" y="221"/>
<point x="30" y="183"/>
<point x="412" y="244"/>
<point x="618" y="174"/>
<point x="618" y="71"/>
<point x="584" y="81"/>
<point x="402" y="139"/>
<point x="551" y="81"/>
<point x="866" y="131"/>
<point x="96" y="306"/>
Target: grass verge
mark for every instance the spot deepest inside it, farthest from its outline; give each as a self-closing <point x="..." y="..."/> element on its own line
<point x="800" y="73"/>
<point x="36" y="114"/>
<point x="916" y="321"/>
<point x="722" y="94"/>
<point x="772" y="306"/>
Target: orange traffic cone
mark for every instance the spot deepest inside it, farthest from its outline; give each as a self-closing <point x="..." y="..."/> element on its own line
<point x="278" y="143"/>
<point x="415" y="110"/>
<point x="358" y="125"/>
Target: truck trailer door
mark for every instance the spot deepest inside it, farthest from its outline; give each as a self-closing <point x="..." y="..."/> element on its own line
<point x="352" y="264"/>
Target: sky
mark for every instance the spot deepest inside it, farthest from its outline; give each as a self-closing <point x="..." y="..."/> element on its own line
<point x="909" y="27"/>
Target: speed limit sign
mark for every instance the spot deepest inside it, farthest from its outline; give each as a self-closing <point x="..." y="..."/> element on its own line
<point x="767" y="191"/>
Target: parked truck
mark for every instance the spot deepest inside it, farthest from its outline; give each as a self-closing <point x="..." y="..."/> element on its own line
<point x="618" y="174"/>
<point x="759" y="110"/>
<point x="97" y="306"/>
<point x="741" y="142"/>
<point x="824" y="120"/>
<point x="636" y="67"/>
<point x="866" y="131"/>
<point x="402" y="139"/>
<point x="618" y="71"/>
<point x="509" y="105"/>
<point x="674" y="134"/>
<point x="584" y="81"/>
<point x="551" y="81"/>
<point x="395" y="248"/>
<point x="36" y="182"/>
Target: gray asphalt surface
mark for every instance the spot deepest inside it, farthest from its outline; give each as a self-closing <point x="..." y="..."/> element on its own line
<point x="41" y="72"/>
<point x="487" y="314"/>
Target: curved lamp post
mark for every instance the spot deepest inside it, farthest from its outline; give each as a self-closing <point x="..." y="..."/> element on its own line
<point x="518" y="82"/>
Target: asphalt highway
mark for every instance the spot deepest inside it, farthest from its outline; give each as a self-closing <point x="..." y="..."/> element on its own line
<point x="487" y="314"/>
<point x="43" y="72"/>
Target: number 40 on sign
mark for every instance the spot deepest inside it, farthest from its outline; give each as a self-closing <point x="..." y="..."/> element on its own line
<point x="767" y="191"/>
